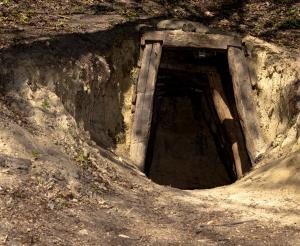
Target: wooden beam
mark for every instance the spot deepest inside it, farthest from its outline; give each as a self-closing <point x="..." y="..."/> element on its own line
<point x="190" y="68"/>
<point x="191" y="40"/>
<point x="244" y="102"/>
<point x="231" y="126"/>
<point x="144" y="104"/>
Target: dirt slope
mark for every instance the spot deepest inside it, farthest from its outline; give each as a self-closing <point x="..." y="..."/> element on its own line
<point x="52" y="193"/>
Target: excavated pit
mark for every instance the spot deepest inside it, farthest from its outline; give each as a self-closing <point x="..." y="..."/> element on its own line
<point x="188" y="147"/>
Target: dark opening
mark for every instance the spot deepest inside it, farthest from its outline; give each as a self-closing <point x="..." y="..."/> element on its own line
<point x="187" y="148"/>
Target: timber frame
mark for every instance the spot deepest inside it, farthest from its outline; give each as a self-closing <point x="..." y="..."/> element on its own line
<point x="244" y="141"/>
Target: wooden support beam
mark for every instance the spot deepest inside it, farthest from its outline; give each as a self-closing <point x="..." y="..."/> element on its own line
<point x="188" y="68"/>
<point x="191" y="40"/>
<point x="219" y="134"/>
<point x="244" y="102"/>
<point x="144" y="104"/>
<point x="232" y="129"/>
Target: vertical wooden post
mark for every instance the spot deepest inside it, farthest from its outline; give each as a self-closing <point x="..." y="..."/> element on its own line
<point x="144" y="103"/>
<point x="244" y="102"/>
<point x="232" y="129"/>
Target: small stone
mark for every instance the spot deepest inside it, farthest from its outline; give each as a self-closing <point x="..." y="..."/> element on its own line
<point x="85" y="152"/>
<point x="83" y="232"/>
<point x="209" y="14"/>
<point x="51" y="205"/>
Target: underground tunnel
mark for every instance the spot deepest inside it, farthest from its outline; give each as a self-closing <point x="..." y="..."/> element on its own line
<point x="187" y="147"/>
<point x="187" y="132"/>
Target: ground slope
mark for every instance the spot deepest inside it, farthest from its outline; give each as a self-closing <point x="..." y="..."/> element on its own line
<point x="53" y="193"/>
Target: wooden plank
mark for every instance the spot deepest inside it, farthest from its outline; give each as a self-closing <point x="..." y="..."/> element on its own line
<point x="192" y="40"/>
<point x="143" y="75"/>
<point x="144" y="104"/>
<point x="244" y="102"/>
<point x="231" y="126"/>
<point x="219" y="134"/>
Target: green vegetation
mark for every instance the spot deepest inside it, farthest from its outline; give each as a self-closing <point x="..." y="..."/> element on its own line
<point x="82" y="158"/>
<point x="35" y="155"/>
<point x="289" y="23"/>
<point x="5" y="2"/>
<point x="24" y="18"/>
<point x="285" y="24"/>
<point x="45" y="104"/>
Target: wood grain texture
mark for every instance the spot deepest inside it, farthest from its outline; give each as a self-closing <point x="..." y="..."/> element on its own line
<point x="244" y="102"/>
<point x="231" y="126"/>
<point x="144" y="104"/>
<point x="192" y="40"/>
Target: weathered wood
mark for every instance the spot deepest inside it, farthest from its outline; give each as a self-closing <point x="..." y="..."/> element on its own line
<point x="192" y="40"/>
<point x="218" y="133"/>
<point x="134" y="95"/>
<point x="144" y="104"/>
<point x="233" y="132"/>
<point x="244" y="102"/>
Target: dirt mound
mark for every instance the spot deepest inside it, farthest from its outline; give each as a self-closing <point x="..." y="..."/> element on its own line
<point x="282" y="174"/>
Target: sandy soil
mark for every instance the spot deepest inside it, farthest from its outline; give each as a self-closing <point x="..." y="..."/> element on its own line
<point x="56" y="189"/>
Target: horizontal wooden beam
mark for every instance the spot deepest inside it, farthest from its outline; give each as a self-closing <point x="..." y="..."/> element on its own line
<point x="190" y="68"/>
<point x="191" y="40"/>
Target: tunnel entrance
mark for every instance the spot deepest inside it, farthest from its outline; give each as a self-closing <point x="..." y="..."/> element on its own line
<point x="187" y="148"/>
<point x="190" y="100"/>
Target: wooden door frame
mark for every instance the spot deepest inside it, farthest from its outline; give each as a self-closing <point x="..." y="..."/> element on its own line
<point x="241" y="81"/>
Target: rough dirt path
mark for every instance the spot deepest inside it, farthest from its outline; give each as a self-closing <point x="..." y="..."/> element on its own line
<point x="136" y="212"/>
